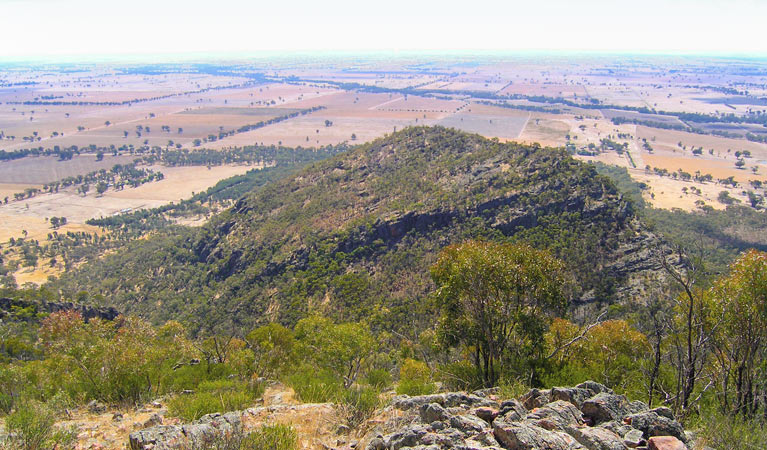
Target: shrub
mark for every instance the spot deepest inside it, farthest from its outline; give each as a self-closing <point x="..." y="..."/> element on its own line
<point x="214" y="396"/>
<point x="415" y="378"/>
<point x="272" y="437"/>
<point x="460" y="376"/>
<point x="719" y="431"/>
<point x="379" y="379"/>
<point x="358" y="404"/>
<point x="314" y="386"/>
<point x="31" y="427"/>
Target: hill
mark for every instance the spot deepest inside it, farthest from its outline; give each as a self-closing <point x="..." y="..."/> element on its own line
<point x="353" y="236"/>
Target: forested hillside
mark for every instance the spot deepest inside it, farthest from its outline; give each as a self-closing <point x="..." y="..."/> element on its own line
<point x="353" y="236"/>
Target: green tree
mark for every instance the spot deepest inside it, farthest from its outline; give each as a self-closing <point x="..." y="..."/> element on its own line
<point x="740" y="300"/>
<point x="341" y="348"/>
<point x="495" y="298"/>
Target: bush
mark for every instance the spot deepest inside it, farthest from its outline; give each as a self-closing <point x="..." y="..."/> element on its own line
<point x="732" y="433"/>
<point x="315" y="386"/>
<point x="460" y="376"/>
<point x="31" y="427"/>
<point x="415" y="379"/>
<point x="358" y="404"/>
<point x="272" y="437"/>
<point x="215" y="396"/>
<point x="268" y="437"/>
<point x="379" y="379"/>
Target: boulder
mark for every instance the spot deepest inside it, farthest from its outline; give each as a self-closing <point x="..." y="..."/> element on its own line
<point x="486" y="414"/>
<point x="535" y="398"/>
<point x="652" y="424"/>
<point x="526" y="436"/>
<point x="665" y="443"/>
<point x="468" y="423"/>
<point x="634" y="439"/>
<point x="605" y="407"/>
<point x="512" y="410"/>
<point x="595" y="388"/>
<point x="408" y="437"/>
<point x="597" y="438"/>
<point x="433" y="412"/>
<point x="555" y="415"/>
<point x="576" y="395"/>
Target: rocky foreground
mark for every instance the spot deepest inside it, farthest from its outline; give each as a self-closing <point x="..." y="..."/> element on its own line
<point x="588" y="416"/>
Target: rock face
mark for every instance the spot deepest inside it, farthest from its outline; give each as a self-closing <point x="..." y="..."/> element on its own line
<point x="589" y="416"/>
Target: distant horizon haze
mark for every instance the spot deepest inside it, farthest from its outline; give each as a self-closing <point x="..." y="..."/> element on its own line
<point x="81" y="30"/>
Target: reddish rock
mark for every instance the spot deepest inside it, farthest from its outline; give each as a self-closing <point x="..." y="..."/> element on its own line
<point x="665" y="443"/>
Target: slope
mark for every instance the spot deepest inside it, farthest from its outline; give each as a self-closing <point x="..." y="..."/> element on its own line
<point x="353" y="236"/>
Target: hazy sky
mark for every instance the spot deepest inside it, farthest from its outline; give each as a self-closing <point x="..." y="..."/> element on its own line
<point x="32" y="29"/>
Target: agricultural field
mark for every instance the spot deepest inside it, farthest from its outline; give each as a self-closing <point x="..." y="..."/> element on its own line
<point x="662" y="119"/>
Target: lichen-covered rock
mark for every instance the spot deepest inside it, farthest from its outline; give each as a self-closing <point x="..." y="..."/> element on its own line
<point x="576" y="395"/>
<point x="595" y="388"/>
<point x="555" y="415"/>
<point x="634" y="439"/>
<point x="512" y="410"/>
<point x="449" y="400"/>
<point x="526" y="436"/>
<point x="433" y="412"/>
<point x="535" y="398"/>
<point x="652" y="424"/>
<point x="605" y="407"/>
<point x="597" y="438"/>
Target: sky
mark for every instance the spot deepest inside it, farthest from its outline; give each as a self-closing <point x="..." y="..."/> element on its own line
<point x="61" y="29"/>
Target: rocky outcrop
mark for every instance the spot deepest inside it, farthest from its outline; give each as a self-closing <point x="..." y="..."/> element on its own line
<point x="208" y="431"/>
<point x="588" y="416"/>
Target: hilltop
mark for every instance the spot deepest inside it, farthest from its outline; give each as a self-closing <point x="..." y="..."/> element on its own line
<point x="353" y="236"/>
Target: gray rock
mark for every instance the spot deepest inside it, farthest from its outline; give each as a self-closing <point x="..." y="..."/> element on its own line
<point x="619" y="428"/>
<point x="96" y="407"/>
<point x="377" y="443"/>
<point x="155" y="438"/>
<point x="468" y="423"/>
<point x="433" y="412"/>
<point x="486" y="414"/>
<point x="606" y="407"/>
<point x="535" y="398"/>
<point x="449" y="400"/>
<point x="634" y="439"/>
<point x="576" y="396"/>
<point x="595" y="388"/>
<point x="651" y="424"/>
<point x="555" y="415"/>
<point x="526" y="436"/>
<point x="407" y="437"/>
<point x="512" y="410"/>
<point x="597" y="438"/>
<point x="154" y="419"/>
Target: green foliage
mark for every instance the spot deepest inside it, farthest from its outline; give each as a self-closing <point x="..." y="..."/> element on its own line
<point x="31" y="427"/>
<point x="214" y="396"/>
<point x="272" y="437"/>
<point x="460" y="376"/>
<point x="379" y="379"/>
<point x="734" y="433"/>
<point x="358" y="404"/>
<point x="497" y="299"/>
<point x="274" y="349"/>
<point x="343" y="349"/>
<point x="313" y="386"/>
<point x="415" y="378"/>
